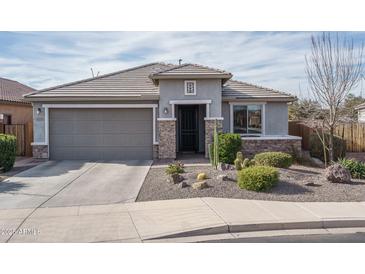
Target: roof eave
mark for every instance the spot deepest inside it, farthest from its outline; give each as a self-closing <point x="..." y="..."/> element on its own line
<point x="93" y="98"/>
<point x="258" y="99"/>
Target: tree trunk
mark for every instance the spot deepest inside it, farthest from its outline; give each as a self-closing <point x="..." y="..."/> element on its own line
<point x="330" y="145"/>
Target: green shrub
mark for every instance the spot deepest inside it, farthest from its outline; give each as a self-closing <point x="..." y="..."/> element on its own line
<point x="356" y="168"/>
<point x="175" y="168"/>
<point x="274" y="159"/>
<point x="7" y="151"/>
<point x="258" y="178"/>
<point x="229" y="145"/>
<point x="316" y="147"/>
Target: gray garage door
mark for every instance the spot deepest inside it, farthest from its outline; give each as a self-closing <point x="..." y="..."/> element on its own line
<point x="100" y="134"/>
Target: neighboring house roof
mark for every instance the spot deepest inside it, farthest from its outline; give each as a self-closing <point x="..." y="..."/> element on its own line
<point x="137" y="84"/>
<point x="361" y="106"/>
<point x="191" y="70"/>
<point x="240" y="90"/>
<point x="12" y="91"/>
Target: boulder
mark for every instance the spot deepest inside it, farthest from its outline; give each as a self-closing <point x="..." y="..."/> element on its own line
<point x="176" y="178"/>
<point x="224" y="167"/>
<point x="200" y="185"/>
<point x="201" y="176"/>
<point x="183" y="184"/>
<point x="222" y="177"/>
<point x="338" y="174"/>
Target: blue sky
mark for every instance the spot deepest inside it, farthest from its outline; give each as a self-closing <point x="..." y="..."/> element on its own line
<point x="271" y="59"/>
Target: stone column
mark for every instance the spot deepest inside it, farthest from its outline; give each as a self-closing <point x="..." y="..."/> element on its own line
<point x="40" y="151"/>
<point x="209" y="130"/>
<point x="167" y="138"/>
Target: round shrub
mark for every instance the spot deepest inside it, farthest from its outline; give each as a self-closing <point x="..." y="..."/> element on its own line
<point x="228" y="146"/>
<point x="7" y="151"/>
<point x="258" y="178"/>
<point x="275" y="159"/>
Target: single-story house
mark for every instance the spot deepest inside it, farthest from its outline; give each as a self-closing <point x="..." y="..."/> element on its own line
<point x="14" y="110"/>
<point x="157" y="110"/>
<point x="360" y="113"/>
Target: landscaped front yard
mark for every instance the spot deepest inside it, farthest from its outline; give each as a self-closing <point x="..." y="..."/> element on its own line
<point x="290" y="187"/>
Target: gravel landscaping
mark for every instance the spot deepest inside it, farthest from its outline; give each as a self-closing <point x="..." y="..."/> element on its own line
<point x="291" y="187"/>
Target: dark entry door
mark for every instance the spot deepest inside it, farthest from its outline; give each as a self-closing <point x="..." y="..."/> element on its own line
<point x="188" y="127"/>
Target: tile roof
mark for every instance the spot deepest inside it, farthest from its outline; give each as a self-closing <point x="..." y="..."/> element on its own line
<point x="121" y="83"/>
<point x="13" y="91"/>
<point x="361" y="106"/>
<point x="191" y="69"/>
<point x="138" y="81"/>
<point x="241" y="90"/>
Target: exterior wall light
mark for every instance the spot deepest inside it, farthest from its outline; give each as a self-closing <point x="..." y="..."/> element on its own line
<point x="39" y="111"/>
<point x="165" y="110"/>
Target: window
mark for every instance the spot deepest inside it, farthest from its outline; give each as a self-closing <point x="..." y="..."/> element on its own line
<point x="5" y="119"/>
<point x="190" y="87"/>
<point x="247" y="119"/>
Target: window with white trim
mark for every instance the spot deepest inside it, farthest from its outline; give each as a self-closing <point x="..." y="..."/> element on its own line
<point x="190" y="87"/>
<point x="247" y="119"/>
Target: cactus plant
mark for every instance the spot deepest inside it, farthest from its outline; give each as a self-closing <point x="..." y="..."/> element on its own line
<point x="238" y="164"/>
<point x="246" y="163"/>
<point x="239" y="155"/>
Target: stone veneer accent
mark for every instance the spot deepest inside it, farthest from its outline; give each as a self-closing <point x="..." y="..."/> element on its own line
<point x="209" y="130"/>
<point x="155" y="152"/>
<point x="250" y="147"/>
<point x="40" y="151"/>
<point x="167" y="139"/>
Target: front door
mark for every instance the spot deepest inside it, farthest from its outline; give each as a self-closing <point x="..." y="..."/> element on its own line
<point x="188" y="128"/>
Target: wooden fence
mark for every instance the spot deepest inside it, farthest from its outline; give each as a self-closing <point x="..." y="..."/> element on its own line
<point x="24" y="137"/>
<point x="301" y="130"/>
<point x="353" y="133"/>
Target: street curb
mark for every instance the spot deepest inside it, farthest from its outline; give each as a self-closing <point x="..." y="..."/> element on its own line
<point x="252" y="227"/>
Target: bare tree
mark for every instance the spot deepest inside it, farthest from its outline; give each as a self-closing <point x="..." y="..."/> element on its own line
<point x="333" y="68"/>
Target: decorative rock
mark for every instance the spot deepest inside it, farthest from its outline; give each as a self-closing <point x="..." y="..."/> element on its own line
<point x="201" y="176"/>
<point x="199" y="185"/>
<point x="176" y="178"/>
<point x="224" y="167"/>
<point x="221" y="167"/>
<point x="222" y="177"/>
<point x="183" y="184"/>
<point x="338" y="174"/>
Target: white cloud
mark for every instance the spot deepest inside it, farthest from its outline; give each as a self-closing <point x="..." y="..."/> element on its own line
<point x="45" y="59"/>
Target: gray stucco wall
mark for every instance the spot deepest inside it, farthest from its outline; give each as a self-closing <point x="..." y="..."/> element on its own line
<point x="205" y="89"/>
<point x="276" y="118"/>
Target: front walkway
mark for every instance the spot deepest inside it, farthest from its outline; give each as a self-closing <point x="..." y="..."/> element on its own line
<point x="148" y="221"/>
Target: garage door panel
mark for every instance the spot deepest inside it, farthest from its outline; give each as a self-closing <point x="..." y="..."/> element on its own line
<point x="101" y="134"/>
<point x="130" y="153"/>
<point x="133" y="115"/>
<point x="111" y="127"/>
<point x="55" y="114"/>
<point x="122" y="139"/>
<point x="88" y="115"/>
<point x="88" y="127"/>
<point x="87" y="140"/>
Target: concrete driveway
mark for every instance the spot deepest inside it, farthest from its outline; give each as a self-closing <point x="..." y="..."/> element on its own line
<point x="74" y="183"/>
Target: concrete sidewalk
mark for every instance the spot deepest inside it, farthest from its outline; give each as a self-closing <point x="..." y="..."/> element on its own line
<point x="164" y="220"/>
